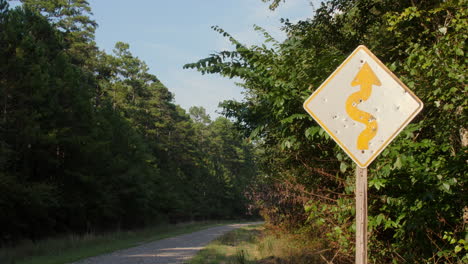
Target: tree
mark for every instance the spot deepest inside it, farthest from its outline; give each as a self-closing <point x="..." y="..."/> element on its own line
<point x="91" y="141"/>
<point x="199" y="115"/>
<point x="73" y="19"/>
<point x="45" y="102"/>
<point x="56" y="146"/>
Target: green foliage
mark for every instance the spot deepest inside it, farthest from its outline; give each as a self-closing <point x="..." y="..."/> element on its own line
<point x="73" y="18"/>
<point x="274" y="4"/>
<point x="417" y="186"/>
<point x="91" y="141"/>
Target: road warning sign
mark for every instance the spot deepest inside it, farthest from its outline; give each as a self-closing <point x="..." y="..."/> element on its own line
<point x="363" y="106"/>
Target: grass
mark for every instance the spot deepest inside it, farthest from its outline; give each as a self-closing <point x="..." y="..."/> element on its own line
<point x="75" y="247"/>
<point x="233" y="247"/>
<point x="254" y="245"/>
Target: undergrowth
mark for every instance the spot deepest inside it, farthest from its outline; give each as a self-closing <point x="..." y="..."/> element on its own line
<point x="259" y="245"/>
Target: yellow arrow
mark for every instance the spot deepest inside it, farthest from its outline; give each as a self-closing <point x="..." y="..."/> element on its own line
<point x="365" y="78"/>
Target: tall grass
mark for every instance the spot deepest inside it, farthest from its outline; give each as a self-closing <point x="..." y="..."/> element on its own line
<point x="255" y="245"/>
<point x="235" y="247"/>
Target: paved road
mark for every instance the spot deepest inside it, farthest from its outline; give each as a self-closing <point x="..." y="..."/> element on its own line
<point x="175" y="250"/>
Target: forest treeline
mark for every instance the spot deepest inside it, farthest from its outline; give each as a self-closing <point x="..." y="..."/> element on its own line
<point x="417" y="187"/>
<point x="91" y="141"/>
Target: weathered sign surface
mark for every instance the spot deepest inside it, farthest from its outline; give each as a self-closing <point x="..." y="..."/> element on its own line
<point x="363" y="106"/>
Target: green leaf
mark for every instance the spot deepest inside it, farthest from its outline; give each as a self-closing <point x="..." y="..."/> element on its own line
<point x="339" y="157"/>
<point x="291" y="118"/>
<point x="343" y="167"/>
<point x="311" y="131"/>
<point x="446" y="186"/>
<point x="397" y="164"/>
<point x="379" y="219"/>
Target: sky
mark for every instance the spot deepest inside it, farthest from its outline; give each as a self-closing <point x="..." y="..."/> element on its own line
<point x="168" y="34"/>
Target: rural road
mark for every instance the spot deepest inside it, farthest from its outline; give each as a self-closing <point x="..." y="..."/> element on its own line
<point x="174" y="250"/>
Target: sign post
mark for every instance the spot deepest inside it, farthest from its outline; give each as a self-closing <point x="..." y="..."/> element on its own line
<point x="361" y="215"/>
<point x="363" y="106"/>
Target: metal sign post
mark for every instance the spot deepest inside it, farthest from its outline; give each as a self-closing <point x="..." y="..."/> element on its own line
<point x="363" y="106"/>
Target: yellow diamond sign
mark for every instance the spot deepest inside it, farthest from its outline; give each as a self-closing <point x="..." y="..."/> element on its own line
<point x="363" y="106"/>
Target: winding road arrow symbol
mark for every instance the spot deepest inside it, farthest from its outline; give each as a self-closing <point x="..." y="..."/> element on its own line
<point x="365" y="78"/>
